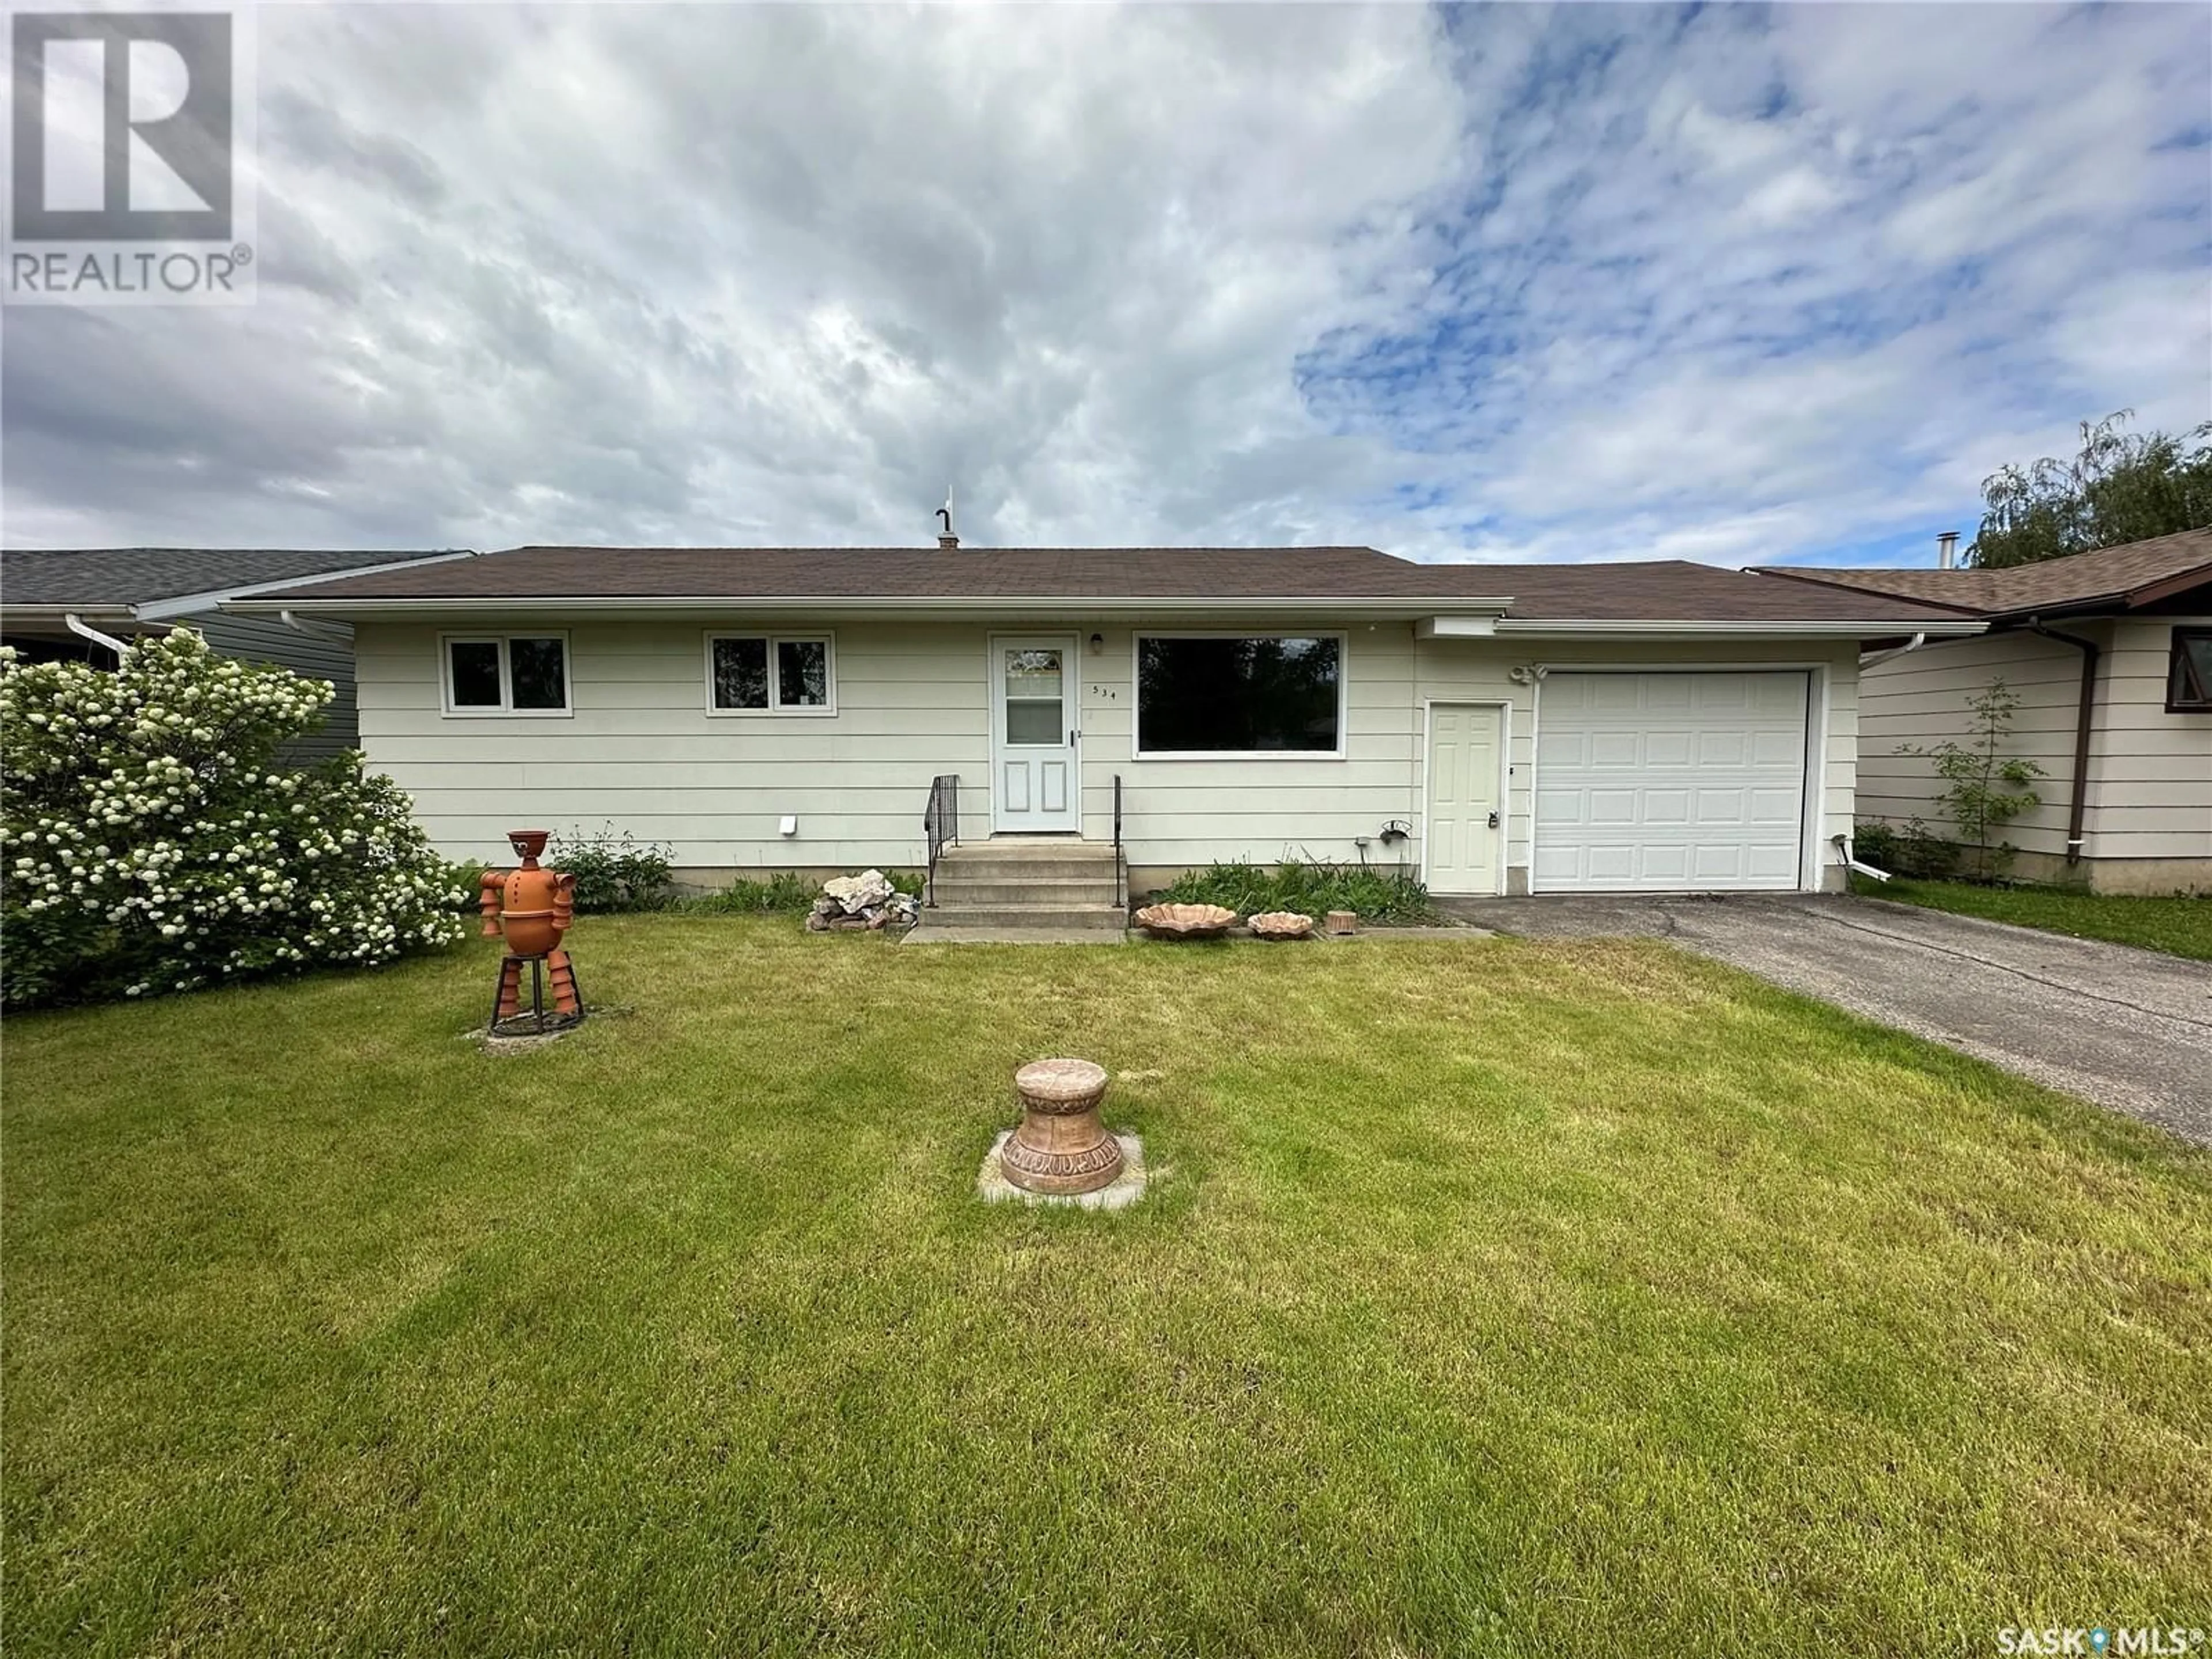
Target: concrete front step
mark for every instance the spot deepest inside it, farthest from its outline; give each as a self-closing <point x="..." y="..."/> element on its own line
<point x="1104" y="918"/>
<point x="1001" y="890"/>
<point x="1039" y="863"/>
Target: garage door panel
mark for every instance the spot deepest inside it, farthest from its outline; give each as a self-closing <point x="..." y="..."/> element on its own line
<point x="1783" y="807"/>
<point x="1774" y="866"/>
<point x="1722" y="808"/>
<point x="1670" y="780"/>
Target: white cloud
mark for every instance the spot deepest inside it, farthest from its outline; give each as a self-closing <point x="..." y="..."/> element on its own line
<point x="1585" y="284"/>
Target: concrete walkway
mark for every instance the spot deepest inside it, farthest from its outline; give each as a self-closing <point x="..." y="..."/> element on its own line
<point x="2129" y="1030"/>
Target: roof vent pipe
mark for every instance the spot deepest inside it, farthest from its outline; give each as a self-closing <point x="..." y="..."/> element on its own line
<point x="1947" y="550"/>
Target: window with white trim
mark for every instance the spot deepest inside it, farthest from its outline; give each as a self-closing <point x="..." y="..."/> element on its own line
<point x="1248" y="694"/>
<point x="2189" y="672"/>
<point x="771" y="674"/>
<point x="506" y="673"/>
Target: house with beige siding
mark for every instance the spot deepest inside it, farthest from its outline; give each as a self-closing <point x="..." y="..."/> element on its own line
<point x="2110" y="655"/>
<point x="1493" y="729"/>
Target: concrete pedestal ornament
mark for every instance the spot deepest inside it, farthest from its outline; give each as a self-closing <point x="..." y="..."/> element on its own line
<point x="1060" y="1146"/>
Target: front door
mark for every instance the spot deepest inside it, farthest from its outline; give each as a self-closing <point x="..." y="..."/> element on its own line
<point x="1035" y="782"/>
<point x="1459" y="851"/>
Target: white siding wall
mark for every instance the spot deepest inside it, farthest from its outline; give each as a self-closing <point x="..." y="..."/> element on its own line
<point x="2150" y="773"/>
<point x="642" y="752"/>
<point x="1454" y="670"/>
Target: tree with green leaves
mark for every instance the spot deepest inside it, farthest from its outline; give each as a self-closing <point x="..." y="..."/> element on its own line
<point x="2122" y="487"/>
<point x="1984" y="788"/>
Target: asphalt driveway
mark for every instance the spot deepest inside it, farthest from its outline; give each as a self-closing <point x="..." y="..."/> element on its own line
<point x="2130" y="1029"/>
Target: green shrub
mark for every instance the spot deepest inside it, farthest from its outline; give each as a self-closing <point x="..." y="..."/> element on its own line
<point x="1911" y="851"/>
<point x="615" y="872"/>
<point x="467" y="879"/>
<point x="151" y="845"/>
<point x="1315" y="889"/>
<point x="782" y="893"/>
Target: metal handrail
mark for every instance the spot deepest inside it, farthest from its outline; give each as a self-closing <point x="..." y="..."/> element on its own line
<point x="1120" y="862"/>
<point x="940" y="826"/>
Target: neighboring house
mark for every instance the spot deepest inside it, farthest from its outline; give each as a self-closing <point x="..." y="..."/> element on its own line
<point x="81" y="603"/>
<point x="2109" y="654"/>
<point x="1495" y="728"/>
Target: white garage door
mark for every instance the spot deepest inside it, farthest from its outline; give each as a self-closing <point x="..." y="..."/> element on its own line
<point x="1669" y="783"/>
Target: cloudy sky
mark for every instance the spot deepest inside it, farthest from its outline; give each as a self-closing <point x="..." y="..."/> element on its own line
<point x="1585" y="284"/>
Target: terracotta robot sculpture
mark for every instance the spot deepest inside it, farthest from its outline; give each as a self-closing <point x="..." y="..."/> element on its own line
<point x="533" y="908"/>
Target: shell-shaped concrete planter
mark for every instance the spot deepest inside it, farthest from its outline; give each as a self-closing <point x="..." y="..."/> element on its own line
<point x="1281" y="925"/>
<point x="1185" y="921"/>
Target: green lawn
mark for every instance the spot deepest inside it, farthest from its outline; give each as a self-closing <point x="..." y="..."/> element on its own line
<point x="2179" y="927"/>
<point x="1502" y="1295"/>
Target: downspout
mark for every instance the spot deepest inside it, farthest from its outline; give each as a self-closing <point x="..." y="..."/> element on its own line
<point x="1868" y="658"/>
<point x="83" y="630"/>
<point x="313" y="628"/>
<point x="2077" y="813"/>
<point x="1851" y="860"/>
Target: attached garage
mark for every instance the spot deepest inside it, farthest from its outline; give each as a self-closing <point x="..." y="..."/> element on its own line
<point x="1671" y="781"/>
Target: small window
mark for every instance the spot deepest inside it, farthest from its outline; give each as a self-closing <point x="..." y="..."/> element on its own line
<point x="508" y="674"/>
<point x="761" y="674"/>
<point x="1252" y="694"/>
<point x="2188" y="676"/>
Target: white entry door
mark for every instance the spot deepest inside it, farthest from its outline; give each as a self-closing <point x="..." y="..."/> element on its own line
<point x="1463" y="836"/>
<point x="1035" y="779"/>
<point x="1670" y="782"/>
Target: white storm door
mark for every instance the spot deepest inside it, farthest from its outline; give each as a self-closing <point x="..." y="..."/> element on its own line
<point x="1036" y="784"/>
<point x="1464" y="836"/>
<point x="1671" y="782"/>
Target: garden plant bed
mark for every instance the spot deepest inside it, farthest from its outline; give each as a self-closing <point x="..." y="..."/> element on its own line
<point x="1562" y="1297"/>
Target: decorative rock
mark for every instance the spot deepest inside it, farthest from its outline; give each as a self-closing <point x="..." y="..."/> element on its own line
<point x="817" y="922"/>
<point x="854" y="894"/>
<point x="1185" y="921"/>
<point x="1061" y="1146"/>
<point x="1343" y="922"/>
<point x="1281" y="924"/>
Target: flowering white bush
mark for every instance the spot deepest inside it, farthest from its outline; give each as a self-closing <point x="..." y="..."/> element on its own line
<point x="148" y="845"/>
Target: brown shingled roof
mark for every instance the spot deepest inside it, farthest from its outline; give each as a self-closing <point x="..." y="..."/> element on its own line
<point x="2113" y="576"/>
<point x="1662" y="591"/>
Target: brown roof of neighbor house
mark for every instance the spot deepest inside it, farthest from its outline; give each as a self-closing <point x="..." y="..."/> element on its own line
<point x="1666" y="590"/>
<point x="91" y="577"/>
<point x="2116" y="576"/>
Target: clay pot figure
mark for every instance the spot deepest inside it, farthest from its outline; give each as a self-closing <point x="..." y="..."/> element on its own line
<point x="532" y="907"/>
